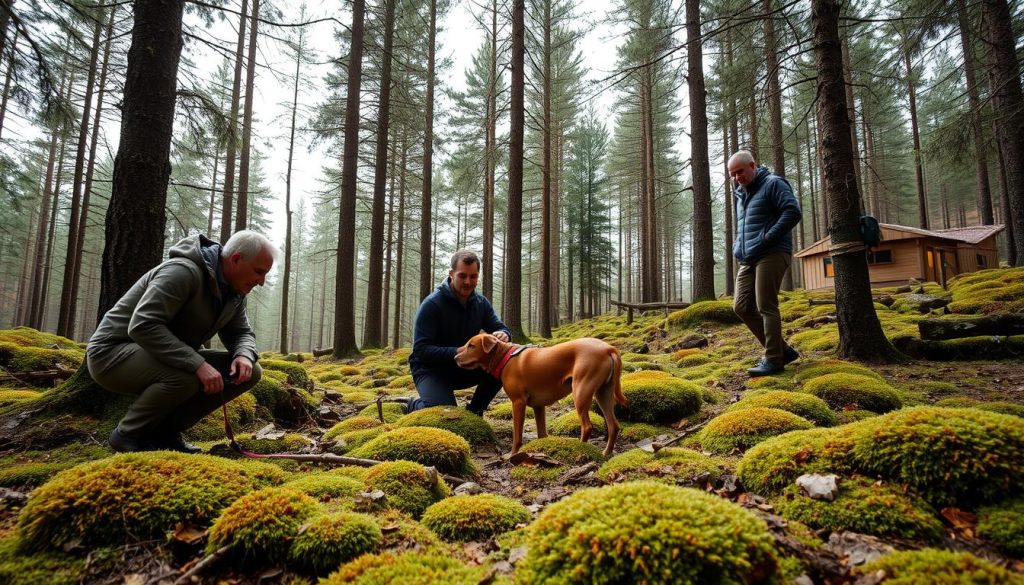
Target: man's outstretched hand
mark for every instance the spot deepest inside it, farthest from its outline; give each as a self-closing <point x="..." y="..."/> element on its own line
<point x="241" y="370"/>
<point x="502" y="336"/>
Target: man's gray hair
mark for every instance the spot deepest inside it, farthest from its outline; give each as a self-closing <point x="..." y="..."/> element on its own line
<point x="248" y="243"/>
<point x="744" y="157"/>
<point x="465" y="257"/>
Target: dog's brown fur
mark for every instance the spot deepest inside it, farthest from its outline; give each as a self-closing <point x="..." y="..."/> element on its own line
<point x="539" y="377"/>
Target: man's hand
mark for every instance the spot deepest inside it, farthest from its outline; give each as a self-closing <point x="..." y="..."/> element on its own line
<point x="502" y="336"/>
<point x="241" y="370"/>
<point x="210" y="378"/>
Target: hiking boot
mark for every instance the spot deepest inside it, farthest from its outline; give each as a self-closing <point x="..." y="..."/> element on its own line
<point x="122" y="443"/>
<point x="789" y="355"/>
<point x="766" y="367"/>
<point x="175" y="442"/>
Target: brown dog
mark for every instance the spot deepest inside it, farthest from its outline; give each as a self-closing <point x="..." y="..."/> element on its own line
<point x="540" y="376"/>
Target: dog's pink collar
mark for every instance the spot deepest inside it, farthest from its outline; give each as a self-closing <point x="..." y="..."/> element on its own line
<point x="501" y="365"/>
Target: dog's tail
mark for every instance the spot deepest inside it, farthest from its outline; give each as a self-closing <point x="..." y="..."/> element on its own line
<point x="617" y="377"/>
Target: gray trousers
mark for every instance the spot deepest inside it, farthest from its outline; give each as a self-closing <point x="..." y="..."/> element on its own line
<point x="757" y="301"/>
<point x="168" y="400"/>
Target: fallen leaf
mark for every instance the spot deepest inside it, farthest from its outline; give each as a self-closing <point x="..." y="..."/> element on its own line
<point x="135" y="579"/>
<point x="188" y="534"/>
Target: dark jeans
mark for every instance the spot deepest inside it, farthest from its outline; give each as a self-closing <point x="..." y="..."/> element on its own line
<point x="437" y="386"/>
<point x="757" y="301"/>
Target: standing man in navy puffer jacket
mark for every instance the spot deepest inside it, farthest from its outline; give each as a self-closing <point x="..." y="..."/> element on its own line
<point x="445" y="321"/>
<point x="766" y="213"/>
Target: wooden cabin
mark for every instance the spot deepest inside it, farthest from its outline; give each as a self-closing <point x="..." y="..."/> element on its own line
<point x="908" y="252"/>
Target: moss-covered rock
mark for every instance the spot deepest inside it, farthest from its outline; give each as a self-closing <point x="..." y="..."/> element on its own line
<point x="809" y="407"/>
<point x="865" y="506"/>
<point x="346" y="442"/>
<point x="408" y="569"/>
<point x="460" y="421"/>
<point x="328" y="540"/>
<point x="407" y="486"/>
<point x="289" y="442"/>
<point x="939" y="567"/>
<point x="473" y="517"/>
<point x="296" y="374"/>
<point x="658" y="397"/>
<point x="1003" y="524"/>
<point x="241" y="414"/>
<point x="443" y="449"/>
<point x="647" y="532"/>
<point x="355" y="423"/>
<point x="326" y="486"/>
<point x="840" y="390"/>
<point x="670" y="465"/>
<point x="392" y="411"/>
<point x="39" y="568"/>
<point x="283" y="404"/>
<point x="742" y="429"/>
<point x="770" y="466"/>
<point x="568" y="424"/>
<point x="260" y="526"/>
<point x="820" y="368"/>
<point x="707" y="311"/>
<point x="996" y="406"/>
<point x="136" y="495"/>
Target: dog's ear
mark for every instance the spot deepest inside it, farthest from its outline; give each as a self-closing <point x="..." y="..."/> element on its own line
<point x="488" y="342"/>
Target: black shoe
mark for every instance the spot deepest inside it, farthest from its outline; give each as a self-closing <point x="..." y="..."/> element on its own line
<point x="766" y="367"/>
<point x="175" y="442"/>
<point x="122" y="443"/>
<point x="789" y="355"/>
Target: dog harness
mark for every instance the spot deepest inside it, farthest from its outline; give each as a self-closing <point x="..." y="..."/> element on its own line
<point x="511" y="353"/>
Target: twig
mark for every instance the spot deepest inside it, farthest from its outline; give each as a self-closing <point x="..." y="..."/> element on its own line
<point x="198" y="567"/>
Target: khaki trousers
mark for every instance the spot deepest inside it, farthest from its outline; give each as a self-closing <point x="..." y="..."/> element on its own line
<point x="757" y="301"/>
<point x="168" y="400"/>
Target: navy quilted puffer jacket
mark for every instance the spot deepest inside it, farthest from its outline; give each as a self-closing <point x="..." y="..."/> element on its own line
<point x="766" y="212"/>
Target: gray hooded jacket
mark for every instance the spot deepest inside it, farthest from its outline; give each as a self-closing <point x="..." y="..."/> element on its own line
<point x="175" y="308"/>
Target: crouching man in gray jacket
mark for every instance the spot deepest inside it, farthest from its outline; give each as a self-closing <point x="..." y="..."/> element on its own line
<point x="148" y="344"/>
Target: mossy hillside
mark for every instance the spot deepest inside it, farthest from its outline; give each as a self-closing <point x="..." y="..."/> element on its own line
<point x="260" y="526"/>
<point x="288" y="443"/>
<point x="39" y="568"/>
<point x="473" y="517"/>
<point x="658" y="397"/>
<point x="28" y="337"/>
<point x="669" y="465"/>
<point x="445" y="450"/>
<point x="568" y="425"/>
<point x="329" y="540"/>
<point x="939" y="567"/>
<point x="17" y="396"/>
<point x="865" y="506"/>
<point x="720" y="312"/>
<point x="742" y="429"/>
<point x="997" y="406"/>
<point x="241" y="414"/>
<point x="136" y="495"/>
<point x="392" y="411"/>
<point x="647" y="532"/>
<point x="568" y="452"/>
<point x="768" y="467"/>
<point x="841" y="390"/>
<point x="409" y="568"/>
<point x="355" y="423"/>
<point x="407" y="487"/>
<point x="813" y="369"/>
<point x="474" y="429"/>
<point x="326" y="486"/>
<point x="23" y="349"/>
<point x="809" y="407"/>
<point x="1003" y="524"/>
<point x="296" y="374"/>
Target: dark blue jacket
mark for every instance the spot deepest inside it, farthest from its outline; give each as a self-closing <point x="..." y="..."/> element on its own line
<point x="766" y="212"/>
<point x="443" y="325"/>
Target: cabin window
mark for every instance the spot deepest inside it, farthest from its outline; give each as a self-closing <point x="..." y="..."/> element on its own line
<point x="830" y="271"/>
<point x="880" y="257"/>
<point x="982" y="260"/>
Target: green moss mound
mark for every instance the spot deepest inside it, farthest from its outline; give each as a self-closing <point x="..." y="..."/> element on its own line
<point x="865" y="506"/>
<point x="809" y="407"/>
<point x="25" y="350"/>
<point x="658" y="397"/>
<point x="462" y="518"/>
<point x="241" y="414"/>
<point x="327" y="541"/>
<point x="503" y="411"/>
<point x="407" y="486"/>
<point x="707" y="311"/>
<point x="402" y="532"/>
<point x="849" y="416"/>
<point x="137" y="495"/>
<point x="568" y="452"/>
<point x="355" y="423"/>
<point x="939" y="567"/>
<point x="445" y="450"/>
<point x="260" y="526"/>
<point x="326" y="486"/>
<point x="768" y="467"/>
<point x="40" y="568"/>
<point x="647" y="532"/>
<point x="639" y="431"/>
<point x="352" y="439"/>
<point x="841" y="390"/>
<point x="289" y="442"/>
<point x="997" y="406"/>
<point x="9" y="397"/>
<point x="460" y="421"/>
<point x="407" y="569"/>
<point x="392" y="411"/>
<point x="281" y="403"/>
<point x="1003" y="524"/>
<point x="568" y="424"/>
<point x="670" y="465"/>
<point x="742" y="429"/>
<point x="820" y="368"/>
<point x="296" y="374"/>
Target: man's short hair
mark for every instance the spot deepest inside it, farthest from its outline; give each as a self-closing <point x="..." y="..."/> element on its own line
<point x="465" y="257"/>
<point x="248" y="243"/>
<point x="744" y="157"/>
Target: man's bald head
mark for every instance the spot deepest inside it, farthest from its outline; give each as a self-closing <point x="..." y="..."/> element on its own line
<point x="742" y="167"/>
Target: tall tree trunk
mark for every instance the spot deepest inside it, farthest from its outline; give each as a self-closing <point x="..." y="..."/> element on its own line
<point x="703" y="268"/>
<point x="922" y="200"/>
<point x="544" y="300"/>
<point x="490" y="157"/>
<point x="980" y="152"/>
<point x="8" y="75"/>
<point x="51" y="237"/>
<point x="24" y="289"/>
<point x="810" y="175"/>
<point x="389" y="239"/>
<point x="426" y="256"/>
<point x="512" y="293"/>
<point x="242" y="201"/>
<point x="232" y="146"/>
<point x="35" y="310"/>
<point x="6" y="7"/>
<point x="851" y="106"/>
<point x="860" y="332"/>
<point x="1004" y="201"/>
<point x="1008" y="107"/>
<point x="286" y="284"/>
<point x="68" y="295"/>
<point x="730" y="145"/>
<point x="396" y="337"/>
<point x="775" y="109"/>
<point x="373" y="336"/>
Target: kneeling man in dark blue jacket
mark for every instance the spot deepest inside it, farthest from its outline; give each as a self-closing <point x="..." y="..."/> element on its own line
<point x="766" y="213"/>
<point x="445" y="321"/>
